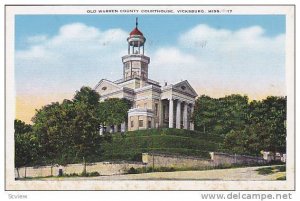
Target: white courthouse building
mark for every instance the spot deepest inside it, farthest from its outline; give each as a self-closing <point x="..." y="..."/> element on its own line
<point x="154" y="106"/>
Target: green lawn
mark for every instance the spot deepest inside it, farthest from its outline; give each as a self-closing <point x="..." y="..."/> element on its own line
<point x="169" y="141"/>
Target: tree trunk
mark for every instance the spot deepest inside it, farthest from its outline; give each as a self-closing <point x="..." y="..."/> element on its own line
<point x="84" y="166"/>
<point x="25" y="172"/>
<point x="51" y="170"/>
<point x="18" y="172"/>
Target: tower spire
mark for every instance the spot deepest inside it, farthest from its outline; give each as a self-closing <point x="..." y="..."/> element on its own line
<point x="136" y="22"/>
<point x="135" y="63"/>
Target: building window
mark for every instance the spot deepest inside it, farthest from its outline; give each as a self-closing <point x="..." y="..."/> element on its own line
<point x="131" y="124"/>
<point x="141" y="123"/>
<point x="149" y="124"/>
<point x="145" y="105"/>
<point x="127" y="65"/>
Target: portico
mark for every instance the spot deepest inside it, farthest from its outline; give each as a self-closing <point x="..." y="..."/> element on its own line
<point x="177" y="113"/>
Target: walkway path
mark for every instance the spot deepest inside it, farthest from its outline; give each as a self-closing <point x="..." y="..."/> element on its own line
<point x="235" y="174"/>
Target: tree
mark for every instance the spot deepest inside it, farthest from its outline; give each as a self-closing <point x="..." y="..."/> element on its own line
<point x="270" y="113"/>
<point x="221" y="115"/>
<point x="87" y="96"/>
<point x="47" y="124"/>
<point x="247" y="127"/>
<point x="86" y="134"/>
<point x="21" y="127"/>
<point x="69" y="131"/>
<point x="114" y="111"/>
<point x="26" y="145"/>
<point x="205" y="112"/>
<point x="264" y="128"/>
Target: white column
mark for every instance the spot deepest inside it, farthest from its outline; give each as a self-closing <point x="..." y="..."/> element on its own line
<point x="185" y="118"/>
<point x="160" y="114"/>
<point x="192" y="123"/>
<point x="139" y="47"/>
<point x="152" y="123"/>
<point x="123" y="127"/>
<point x="101" y="130"/>
<point x="178" y="114"/>
<point x="115" y="128"/>
<point x="171" y="113"/>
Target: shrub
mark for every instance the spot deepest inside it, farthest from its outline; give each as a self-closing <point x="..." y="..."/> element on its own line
<point x="132" y="170"/>
<point x="89" y="174"/>
<point x="71" y="175"/>
<point x="94" y="174"/>
<point x="281" y="178"/>
<point x="281" y="168"/>
<point x="264" y="171"/>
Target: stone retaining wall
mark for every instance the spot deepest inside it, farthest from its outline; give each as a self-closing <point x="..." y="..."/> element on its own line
<point x="223" y="158"/>
<point x="185" y="161"/>
<point x="103" y="168"/>
<point x="148" y="159"/>
<point x="163" y="160"/>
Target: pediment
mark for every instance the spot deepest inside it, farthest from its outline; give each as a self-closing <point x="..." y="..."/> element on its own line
<point x="185" y="87"/>
<point x="106" y="87"/>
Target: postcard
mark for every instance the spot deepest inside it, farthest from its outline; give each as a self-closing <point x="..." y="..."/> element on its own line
<point x="152" y="97"/>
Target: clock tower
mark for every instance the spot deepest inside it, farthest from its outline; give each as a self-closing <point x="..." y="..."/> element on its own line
<point x="135" y="63"/>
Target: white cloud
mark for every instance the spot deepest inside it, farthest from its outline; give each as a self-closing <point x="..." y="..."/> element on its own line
<point x="78" y="54"/>
<point x="245" y="61"/>
<point x="241" y="61"/>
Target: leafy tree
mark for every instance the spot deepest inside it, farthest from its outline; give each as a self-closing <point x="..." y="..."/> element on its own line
<point x="21" y="127"/>
<point x="87" y="96"/>
<point x="247" y="127"/>
<point x="86" y="133"/>
<point x="270" y="113"/>
<point x="221" y="115"/>
<point x="231" y="114"/>
<point x="114" y="111"/>
<point x="46" y="126"/>
<point x="26" y="146"/>
<point x="205" y="114"/>
<point x="69" y="131"/>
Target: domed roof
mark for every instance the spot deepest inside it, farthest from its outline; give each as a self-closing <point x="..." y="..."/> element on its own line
<point x="136" y="31"/>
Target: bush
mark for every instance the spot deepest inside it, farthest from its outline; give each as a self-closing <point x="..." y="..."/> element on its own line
<point x="89" y="174"/>
<point x="265" y="171"/>
<point x="94" y="174"/>
<point x="281" y="168"/>
<point x="132" y="170"/>
<point x="281" y="178"/>
<point x="271" y="170"/>
<point x="71" y="175"/>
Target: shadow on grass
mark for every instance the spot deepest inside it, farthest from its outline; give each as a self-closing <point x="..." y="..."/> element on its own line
<point x="271" y="170"/>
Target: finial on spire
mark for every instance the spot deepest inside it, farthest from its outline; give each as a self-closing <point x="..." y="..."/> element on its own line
<point x="136" y="22"/>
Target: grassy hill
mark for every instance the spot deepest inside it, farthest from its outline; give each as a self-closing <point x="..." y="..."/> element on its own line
<point x="130" y="145"/>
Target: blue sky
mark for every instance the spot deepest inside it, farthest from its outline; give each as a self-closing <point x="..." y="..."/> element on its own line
<point x="218" y="54"/>
<point x="169" y="26"/>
